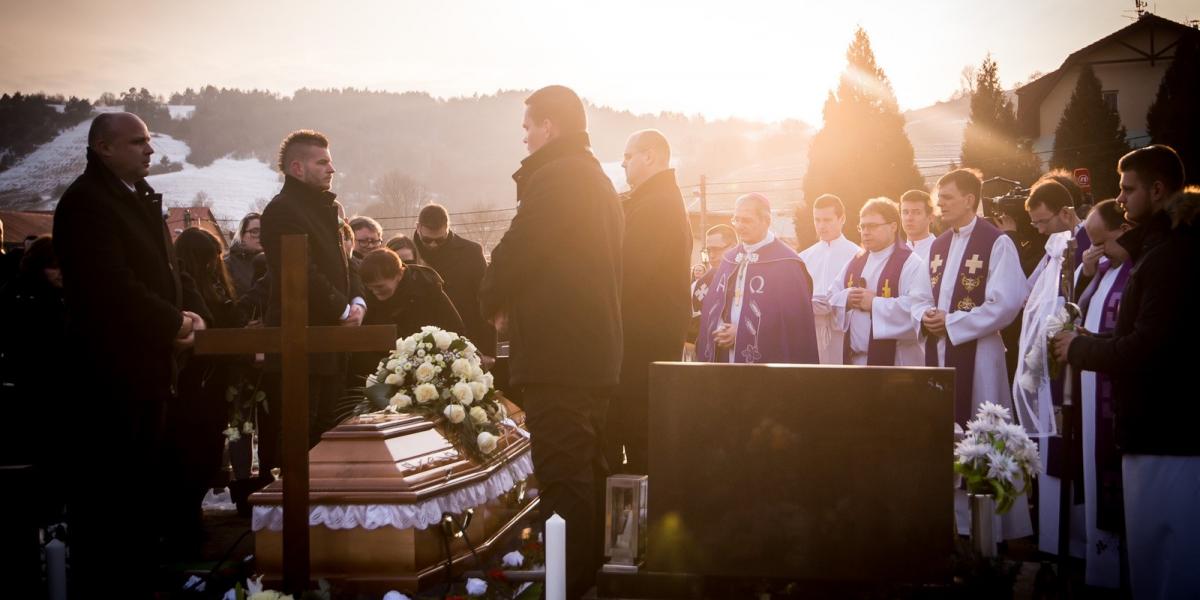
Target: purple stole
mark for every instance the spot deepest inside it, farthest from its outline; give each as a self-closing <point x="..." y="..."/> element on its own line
<point x="970" y="290"/>
<point x="1108" y="459"/>
<point x="879" y="352"/>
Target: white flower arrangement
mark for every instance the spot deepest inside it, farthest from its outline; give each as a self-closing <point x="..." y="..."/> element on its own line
<point x="995" y="456"/>
<point x="437" y="374"/>
<point x="1039" y="361"/>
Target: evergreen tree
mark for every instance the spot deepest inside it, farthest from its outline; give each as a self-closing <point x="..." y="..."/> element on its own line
<point x="1173" y="118"/>
<point x="1090" y="134"/>
<point x="991" y="142"/>
<point x="862" y="150"/>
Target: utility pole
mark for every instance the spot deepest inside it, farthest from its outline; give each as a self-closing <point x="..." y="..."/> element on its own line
<point x="703" y="206"/>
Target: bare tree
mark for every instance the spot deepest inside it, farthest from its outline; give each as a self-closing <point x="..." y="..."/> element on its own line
<point x="202" y="200"/>
<point x="398" y="195"/>
<point x="483" y="222"/>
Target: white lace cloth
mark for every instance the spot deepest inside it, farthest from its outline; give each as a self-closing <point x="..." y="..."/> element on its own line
<point x="404" y="516"/>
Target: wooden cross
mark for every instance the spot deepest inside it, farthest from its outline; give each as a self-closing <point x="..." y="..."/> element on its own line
<point x="294" y="340"/>
<point x="936" y="263"/>
<point x="974" y="264"/>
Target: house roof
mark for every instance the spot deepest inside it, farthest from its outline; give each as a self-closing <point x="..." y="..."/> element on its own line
<point x="179" y="218"/>
<point x="18" y="224"/>
<point x="1032" y="93"/>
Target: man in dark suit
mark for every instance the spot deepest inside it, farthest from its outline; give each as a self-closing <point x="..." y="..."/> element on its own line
<point x="127" y="323"/>
<point x="655" y="299"/>
<point x="460" y="262"/>
<point x="555" y="280"/>
<point x="305" y="205"/>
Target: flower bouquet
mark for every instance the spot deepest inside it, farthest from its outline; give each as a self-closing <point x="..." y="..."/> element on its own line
<point x="995" y="455"/>
<point x="437" y="374"/>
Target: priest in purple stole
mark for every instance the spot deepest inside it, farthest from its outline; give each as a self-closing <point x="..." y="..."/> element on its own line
<point x="879" y="297"/>
<point x="1102" y="490"/>
<point x="978" y="289"/>
<point x="759" y="306"/>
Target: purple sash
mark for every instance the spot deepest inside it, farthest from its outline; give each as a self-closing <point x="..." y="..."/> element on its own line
<point x="879" y="352"/>
<point x="1108" y="459"/>
<point x="776" y="324"/>
<point x="970" y="291"/>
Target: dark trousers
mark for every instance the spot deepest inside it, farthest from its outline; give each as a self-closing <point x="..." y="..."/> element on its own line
<point x="566" y="426"/>
<point x="324" y="396"/>
<point x="115" y="494"/>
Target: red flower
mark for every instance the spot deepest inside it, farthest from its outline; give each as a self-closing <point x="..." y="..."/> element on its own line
<point x="497" y="574"/>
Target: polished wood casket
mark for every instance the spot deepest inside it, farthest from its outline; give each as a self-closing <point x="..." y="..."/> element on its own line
<point x="380" y="487"/>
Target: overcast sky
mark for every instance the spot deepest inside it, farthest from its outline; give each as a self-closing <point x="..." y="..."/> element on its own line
<point x="746" y="58"/>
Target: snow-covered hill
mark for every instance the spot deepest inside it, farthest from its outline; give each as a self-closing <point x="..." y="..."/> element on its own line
<point x="233" y="186"/>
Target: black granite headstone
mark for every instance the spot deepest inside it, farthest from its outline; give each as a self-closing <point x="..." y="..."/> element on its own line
<point x="820" y="474"/>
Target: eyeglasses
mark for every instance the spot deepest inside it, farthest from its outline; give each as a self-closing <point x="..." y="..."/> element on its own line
<point x="368" y="242"/>
<point x="433" y="242"/>
<point x="865" y="227"/>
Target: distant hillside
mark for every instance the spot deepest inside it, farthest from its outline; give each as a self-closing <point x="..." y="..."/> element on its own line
<point x="936" y="133"/>
<point x="459" y="151"/>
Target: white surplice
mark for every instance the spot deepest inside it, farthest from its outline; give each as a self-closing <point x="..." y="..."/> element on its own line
<point x="1003" y="296"/>
<point x="922" y="246"/>
<point x="1103" y="566"/>
<point x="824" y="261"/>
<point x="896" y="318"/>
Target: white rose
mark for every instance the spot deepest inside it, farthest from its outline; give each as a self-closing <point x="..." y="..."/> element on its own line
<point x="429" y="329"/>
<point x="513" y="559"/>
<point x="394" y="379"/>
<point x="478" y="415"/>
<point x="248" y="427"/>
<point x="442" y="339"/>
<point x="426" y="371"/>
<point x="401" y="401"/>
<point x="1028" y="383"/>
<point x="470" y="348"/>
<point x="393" y="364"/>
<point x="461" y="368"/>
<point x="462" y="393"/>
<point x="488" y="380"/>
<point x="476" y="373"/>
<point x="455" y="413"/>
<point x="425" y="392"/>
<point x="478" y="390"/>
<point x="394" y="595"/>
<point x="476" y="587"/>
<point x="233" y="434"/>
<point x="410" y="346"/>
<point x="486" y="442"/>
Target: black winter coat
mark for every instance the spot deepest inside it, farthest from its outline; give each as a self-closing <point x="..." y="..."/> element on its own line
<point x="299" y="208"/>
<point x="461" y="264"/>
<point x="1152" y="354"/>
<point x="655" y="294"/>
<point x="419" y="300"/>
<point x="556" y="272"/>
<point x="123" y="296"/>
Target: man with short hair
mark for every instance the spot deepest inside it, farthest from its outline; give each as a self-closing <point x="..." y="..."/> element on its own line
<point x="306" y="205"/>
<point x="126" y="315"/>
<point x="654" y="290"/>
<point x="1150" y="358"/>
<point x="368" y="235"/>
<point x="555" y="282"/>
<point x="717" y="241"/>
<point x="916" y="218"/>
<point x="461" y="264"/>
<point x="758" y="311"/>
<point x="978" y="288"/>
<point x="1036" y="398"/>
<point x="879" y="297"/>
<point x="824" y="260"/>
<point x="1109" y="266"/>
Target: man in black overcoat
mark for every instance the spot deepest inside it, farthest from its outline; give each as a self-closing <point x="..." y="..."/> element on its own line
<point x="655" y="299"/>
<point x="555" y="281"/>
<point x="128" y="328"/>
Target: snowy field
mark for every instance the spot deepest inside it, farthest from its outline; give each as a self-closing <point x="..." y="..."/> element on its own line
<point x="232" y="185"/>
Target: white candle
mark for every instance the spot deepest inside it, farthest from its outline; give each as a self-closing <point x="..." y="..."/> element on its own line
<point x="556" y="558"/>
<point x="56" y="569"/>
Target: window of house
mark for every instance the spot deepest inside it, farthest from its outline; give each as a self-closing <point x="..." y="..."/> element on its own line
<point x="1110" y="99"/>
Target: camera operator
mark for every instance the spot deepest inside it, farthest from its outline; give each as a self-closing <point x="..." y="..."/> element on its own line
<point x="1008" y="213"/>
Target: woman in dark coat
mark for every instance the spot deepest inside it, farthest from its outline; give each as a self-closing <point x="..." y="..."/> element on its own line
<point x="195" y="424"/>
<point x="407" y="296"/>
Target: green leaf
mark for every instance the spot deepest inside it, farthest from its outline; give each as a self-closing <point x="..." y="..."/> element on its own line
<point x="379" y="395"/>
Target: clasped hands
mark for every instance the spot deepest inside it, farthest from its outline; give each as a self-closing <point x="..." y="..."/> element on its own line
<point x="860" y="298"/>
<point x="186" y="336"/>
